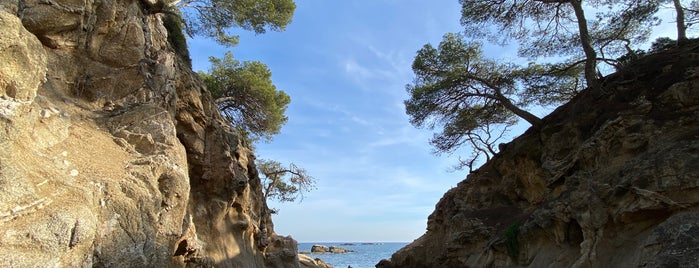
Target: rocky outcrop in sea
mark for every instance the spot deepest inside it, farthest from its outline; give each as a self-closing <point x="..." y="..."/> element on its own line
<point x="331" y="249"/>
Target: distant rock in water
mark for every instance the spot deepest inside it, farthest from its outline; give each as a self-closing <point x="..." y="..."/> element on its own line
<point x="331" y="249"/>
<point x="611" y="179"/>
<point x="335" y="249"/>
<point x="319" y="249"/>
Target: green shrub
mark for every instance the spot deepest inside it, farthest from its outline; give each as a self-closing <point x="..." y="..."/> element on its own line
<point x="176" y="37"/>
<point x="511" y="242"/>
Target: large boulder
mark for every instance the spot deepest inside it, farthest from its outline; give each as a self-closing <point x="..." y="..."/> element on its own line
<point x="282" y="252"/>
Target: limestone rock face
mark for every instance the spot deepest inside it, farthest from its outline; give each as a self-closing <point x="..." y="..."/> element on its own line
<point x="113" y="153"/>
<point x="610" y="180"/>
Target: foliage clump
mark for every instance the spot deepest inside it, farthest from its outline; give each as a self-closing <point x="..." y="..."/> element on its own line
<point x="176" y="37"/>
<point x="246" y="96"/>
<point x="214" y="18"/>
<point x="284" y="184"/>
<point x="569" y="43"/>
<point x="468" y="96"/>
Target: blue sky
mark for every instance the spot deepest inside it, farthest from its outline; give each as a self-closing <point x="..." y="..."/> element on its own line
<point x="345" y="65"/>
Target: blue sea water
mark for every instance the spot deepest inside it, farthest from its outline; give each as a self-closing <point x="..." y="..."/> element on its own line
<point x="366" y="255"/>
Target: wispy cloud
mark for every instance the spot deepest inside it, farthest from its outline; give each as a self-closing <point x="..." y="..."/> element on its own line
<point x="402" y="135"/>
<point x="368" y="78"/>
<point x="354" y="70"/>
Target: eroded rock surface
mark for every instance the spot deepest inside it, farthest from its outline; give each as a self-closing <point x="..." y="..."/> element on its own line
<point x="308" y="262"/>
<point x="611" y="180"/>
<point x="113" y="154"/>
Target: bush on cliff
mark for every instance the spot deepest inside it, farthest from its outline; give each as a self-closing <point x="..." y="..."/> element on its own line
<point x="176" y="37"/>
<point x="246" y="96"/>
<point x="215" y="18"/>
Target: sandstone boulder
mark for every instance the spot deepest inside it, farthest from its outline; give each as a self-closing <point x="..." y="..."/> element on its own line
<point x="282" y="253"/>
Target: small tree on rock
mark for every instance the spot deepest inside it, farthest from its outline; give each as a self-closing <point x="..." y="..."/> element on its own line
<point x="284" y="184"/>
<point x="215" y="18"/>
<point x="246" y="96"/>
<point x="468" y="96"/>
<point x="545" y="28"/>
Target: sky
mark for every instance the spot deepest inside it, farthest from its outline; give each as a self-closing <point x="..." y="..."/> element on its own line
<point x="345" y="65"/>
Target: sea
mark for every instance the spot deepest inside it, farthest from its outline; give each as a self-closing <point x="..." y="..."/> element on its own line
<point x="365" y="255"/>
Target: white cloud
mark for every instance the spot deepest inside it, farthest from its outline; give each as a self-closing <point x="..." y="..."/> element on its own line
<point x="354" y="70"/>
<point x="366" y="77"/>
<point x="359" y="120"/>
<point x="399" y="134"/>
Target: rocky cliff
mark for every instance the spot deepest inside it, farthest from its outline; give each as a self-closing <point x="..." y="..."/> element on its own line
<point x="610" y="180"/>
<point x="112" y="153"/>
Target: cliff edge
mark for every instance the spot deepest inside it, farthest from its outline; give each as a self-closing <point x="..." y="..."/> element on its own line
<point x="112" y="151"/>
<point x="610" y="180"/>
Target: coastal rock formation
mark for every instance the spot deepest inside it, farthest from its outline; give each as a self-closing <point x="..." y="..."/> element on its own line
<point x="319" y="249"/>
<point x="113" y="153"/>
<point x="336" y="249"/>
<point x="610" y="180"/>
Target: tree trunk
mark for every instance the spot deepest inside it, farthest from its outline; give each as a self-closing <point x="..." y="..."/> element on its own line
<point x="681" y="26"/>
<point x="531" y="118"/>
<point x="590" y="54"/>
<point x="263" y="240"/>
